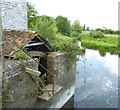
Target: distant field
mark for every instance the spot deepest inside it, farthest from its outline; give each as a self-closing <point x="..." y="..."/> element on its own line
<point x="111" y="35"/>
<point x="108" y="43"/>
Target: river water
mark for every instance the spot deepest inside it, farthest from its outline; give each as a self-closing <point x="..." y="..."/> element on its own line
<point x="96" y="81"/>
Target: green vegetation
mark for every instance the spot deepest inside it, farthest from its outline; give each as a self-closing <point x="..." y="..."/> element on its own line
<point x="6" y="94"/>
<point x="104" y="44"/>
<point x="76" y="29"/>
<point x="57" y="32"/>
<point x="108" y="31"/>
<point x="44" y="26"/>
<point x="66" y="44"/>
<point x="31" y="11"/>
<point x="63" y="25"/>
<point x="96" y="34"/>
<point x="62" y="35"/>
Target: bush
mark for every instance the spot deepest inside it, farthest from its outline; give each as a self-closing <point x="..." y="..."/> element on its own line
<point x="63" y="25"/>
<point x="74" y="34"/>
<point x="96" y="34"/>
<point x="44" y="26"/>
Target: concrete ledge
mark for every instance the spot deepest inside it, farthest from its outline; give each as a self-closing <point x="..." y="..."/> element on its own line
<point x="45" y="96"/>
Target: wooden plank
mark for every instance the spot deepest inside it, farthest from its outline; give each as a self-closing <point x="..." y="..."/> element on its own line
<point x="33" y="72"/>
<point x="34" y="44"/>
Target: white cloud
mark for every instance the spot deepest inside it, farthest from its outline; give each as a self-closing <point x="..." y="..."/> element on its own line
<point x="109" y="61"/>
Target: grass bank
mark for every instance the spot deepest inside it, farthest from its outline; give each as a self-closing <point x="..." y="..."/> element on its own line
<point x="66" y="44"/>
<point x="109" y="43"/>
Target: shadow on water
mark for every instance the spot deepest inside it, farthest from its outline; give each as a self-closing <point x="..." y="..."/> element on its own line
<point x="97" y="80"/>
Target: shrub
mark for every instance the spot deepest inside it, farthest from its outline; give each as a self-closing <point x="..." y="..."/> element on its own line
<point x="63" y="25"/>
<point x="96" y="34"/>
<point x="44" y="26"/>
<point x="74" y="34"/>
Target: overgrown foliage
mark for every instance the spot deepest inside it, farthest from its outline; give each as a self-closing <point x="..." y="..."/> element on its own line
<point x="31" y="11"/>
<point x="44" y="26"/>
<point x="67" y="45"/>
<point x="63" y="25"/>
<point x="55" y="31"/>
<point x="108" y="31"/>
<point x="96" y="34"/>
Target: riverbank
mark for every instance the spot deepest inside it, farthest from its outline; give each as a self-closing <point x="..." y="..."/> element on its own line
<point x="105" y="44"/>
<point x="67" y="45"/>
<point x="109" y="43"/>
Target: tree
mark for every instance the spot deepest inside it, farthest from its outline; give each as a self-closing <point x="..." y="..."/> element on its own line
<point x="63" y="25"/>
<point x="88" y="29"/>
<point x="84" y="27"/>
<point x="31" y="11"/>
<point x="76" y="27"/>
<point x="43" y="25"/>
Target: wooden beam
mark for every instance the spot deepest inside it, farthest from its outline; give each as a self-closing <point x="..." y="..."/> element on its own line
<point x="32" y="72"/>
<point x="34" y="44"/>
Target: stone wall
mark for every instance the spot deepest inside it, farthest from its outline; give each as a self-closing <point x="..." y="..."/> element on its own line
<point x="23" y="90"/>
<point x="62" y="67"/>
<point x="20" y="90"/>
<point x="65" y="71"/>
<point x="14" y="14"/>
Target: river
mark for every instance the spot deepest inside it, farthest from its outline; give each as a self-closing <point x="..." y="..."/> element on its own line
<point x="96" y="81"/>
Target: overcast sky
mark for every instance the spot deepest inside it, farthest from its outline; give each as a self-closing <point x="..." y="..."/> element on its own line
<point x="93" y="13"/>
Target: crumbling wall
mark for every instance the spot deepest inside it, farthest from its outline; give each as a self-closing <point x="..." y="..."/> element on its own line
<point x="23" y="90"/>
<point x="58" y="64"/>
<point x="62" y="67"/>
<point x="20" y="90"/>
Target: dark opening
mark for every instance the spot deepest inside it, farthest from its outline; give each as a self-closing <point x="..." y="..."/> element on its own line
<point x="44" y="47"/>
<point x="43" y="63"/>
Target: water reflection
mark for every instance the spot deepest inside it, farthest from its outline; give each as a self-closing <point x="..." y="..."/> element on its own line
<point x="110" y="62"/>
<point x="101" y="87"/>
<point x="102" y="53"/>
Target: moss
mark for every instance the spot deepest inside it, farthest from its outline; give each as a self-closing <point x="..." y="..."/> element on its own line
<point x="0" y="99"/>
<point x="31" y="93"/>
<point x="21" y="55"/>
<point x="9" y="85"/>
<point x="21" y="76"/>
<point x="55" y="72"/>
<point x="70" y="84"/>
<point x="22" y="66"/>
<point x="6" y="96"/>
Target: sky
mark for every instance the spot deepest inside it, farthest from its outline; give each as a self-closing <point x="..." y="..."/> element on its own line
<point x="92" y="13"/>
